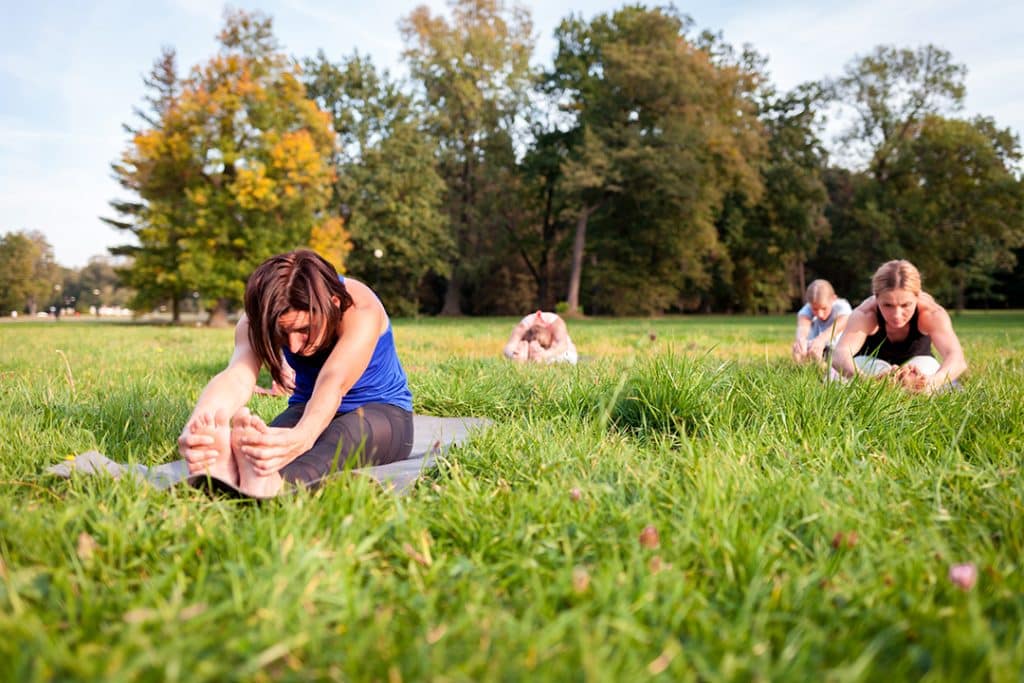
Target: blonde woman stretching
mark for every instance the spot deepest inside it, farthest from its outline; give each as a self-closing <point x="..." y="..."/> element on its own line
<point x="893" y="331"/>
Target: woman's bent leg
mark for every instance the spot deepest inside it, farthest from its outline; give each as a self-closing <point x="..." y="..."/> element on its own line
<point x="871" y="366"/>
<point x="375" y="434"/>
<point x="927" y="365"/>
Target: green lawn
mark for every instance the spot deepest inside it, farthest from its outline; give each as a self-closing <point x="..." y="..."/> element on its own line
<point x="804" y="531"/>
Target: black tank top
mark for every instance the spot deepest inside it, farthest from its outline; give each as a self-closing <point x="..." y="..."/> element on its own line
<point x="880" y="346"/>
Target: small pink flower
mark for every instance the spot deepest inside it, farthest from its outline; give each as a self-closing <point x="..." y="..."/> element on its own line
<point x="963" y="576"/>
<point x="649" y="537"/>
<point x="575" y="494"/>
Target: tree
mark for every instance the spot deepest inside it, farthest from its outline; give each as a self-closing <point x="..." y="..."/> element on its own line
<point x="768" y="242"/>
<point x="160" y="217"/>
<point x="475" y="73"/>
<point x="387" y="176"/>
<point x="96" y="284"/>
<point x="665" y="134"/>
<point x="29" y="277"/>
<point x="239" y="168"/>
<point x="890" y="91"/>
<point x="958" y="204"/>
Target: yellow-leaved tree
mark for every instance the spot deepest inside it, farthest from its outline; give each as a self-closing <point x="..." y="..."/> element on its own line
<point x="235" y="165"/>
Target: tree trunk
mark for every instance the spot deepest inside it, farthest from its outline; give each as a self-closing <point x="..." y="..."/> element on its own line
<point x="545" y="291"/>
<point x="578" y="243"/>
<point x="452" y="294"/>
<point x="219" y="314"/>
<point x="176" y="309"/>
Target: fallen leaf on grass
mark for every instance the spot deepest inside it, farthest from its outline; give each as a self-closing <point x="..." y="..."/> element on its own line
<point x="437" y="633"/>
<point x="415" y="555"/>
<point x="192" y="611"/>
<point x="140" y="615"/>
<point x="580" y="580"/>
<point x="87" y="545"/>
<point x="844" y="540"/>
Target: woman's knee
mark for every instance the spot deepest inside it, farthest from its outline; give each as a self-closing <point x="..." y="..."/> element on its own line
<point x="927" y="365"/>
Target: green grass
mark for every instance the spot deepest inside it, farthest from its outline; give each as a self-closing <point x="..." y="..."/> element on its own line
<point x="747" y="467"/>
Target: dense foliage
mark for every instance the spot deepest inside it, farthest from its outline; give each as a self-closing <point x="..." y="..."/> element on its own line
<point x="648" y="168"/>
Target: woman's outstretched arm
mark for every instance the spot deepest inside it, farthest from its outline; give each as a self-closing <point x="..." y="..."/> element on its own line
<point x="228" y="391"/>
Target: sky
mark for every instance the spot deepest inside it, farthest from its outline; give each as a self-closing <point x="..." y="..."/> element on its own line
<point x="71" y="73"/>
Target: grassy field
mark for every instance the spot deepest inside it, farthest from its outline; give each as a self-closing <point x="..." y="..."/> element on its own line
<point x="802" y="531"/>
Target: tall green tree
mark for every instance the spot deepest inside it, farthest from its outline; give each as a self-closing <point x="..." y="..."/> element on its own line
<point x="958" y="203"/>
<point x="240" y="168"/>
<point x="158" y="216"/>
<point x="665" y="133"/>
<point x="29" y="276"/>
<point x="387" y="176"/>
<point x="889" y="92"/>
<point x="768" y="242"/>
<point x="475" y="75"/>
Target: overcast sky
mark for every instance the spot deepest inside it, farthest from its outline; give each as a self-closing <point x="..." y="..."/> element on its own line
<point x="70" y="73"/>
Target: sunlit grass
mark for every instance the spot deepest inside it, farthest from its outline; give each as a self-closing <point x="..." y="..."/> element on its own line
<point x="805" y="531"/>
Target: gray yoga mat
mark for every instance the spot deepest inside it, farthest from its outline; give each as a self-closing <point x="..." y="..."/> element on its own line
<point x="431" y="437"/>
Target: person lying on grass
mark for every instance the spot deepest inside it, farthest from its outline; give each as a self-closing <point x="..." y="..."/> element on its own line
<point x="349" y="393"/>
<point x="819" y="323"/>
<point x="892" y="332"/>
<point x="541" y="337"/>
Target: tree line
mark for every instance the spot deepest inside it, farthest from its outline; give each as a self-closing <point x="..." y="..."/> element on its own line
<point x="650" y="168"/>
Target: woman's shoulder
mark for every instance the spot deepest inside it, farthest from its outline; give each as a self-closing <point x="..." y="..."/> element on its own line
<point x="930" y="311"/>
<point x="868" y="306"/>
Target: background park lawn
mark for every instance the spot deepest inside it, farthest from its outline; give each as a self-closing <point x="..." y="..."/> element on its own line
<point x="804" y="531"/>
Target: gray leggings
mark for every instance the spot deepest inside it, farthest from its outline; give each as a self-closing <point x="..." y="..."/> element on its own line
<point x="373" y="434"/>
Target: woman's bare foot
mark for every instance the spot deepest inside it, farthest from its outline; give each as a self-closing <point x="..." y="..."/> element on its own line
<point x="249" y="482"/>
<point x="218" y="427"/>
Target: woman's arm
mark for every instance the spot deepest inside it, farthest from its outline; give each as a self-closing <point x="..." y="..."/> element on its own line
<point x="858" y="326"/>
<point x="228" y="391"/>
<point x="360" y="328"/>
<point x="803" y="330"/>
<point x="935" y="322"/>
<point x="511" y="349"/>
<point x="827" y="336"/>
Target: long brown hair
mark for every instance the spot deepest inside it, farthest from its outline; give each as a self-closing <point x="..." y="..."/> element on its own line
<point x="299" y="280"/>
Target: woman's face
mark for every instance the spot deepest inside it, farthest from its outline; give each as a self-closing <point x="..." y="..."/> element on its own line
<point x="301" y="340"/>
<point x="897" y="307"/>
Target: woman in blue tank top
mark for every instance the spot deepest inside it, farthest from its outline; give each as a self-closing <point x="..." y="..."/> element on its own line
<point x="892" y="333"/>
<point x="329" y="341"/>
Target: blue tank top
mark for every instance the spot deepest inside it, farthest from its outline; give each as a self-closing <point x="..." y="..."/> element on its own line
<point x="383" y="381"/>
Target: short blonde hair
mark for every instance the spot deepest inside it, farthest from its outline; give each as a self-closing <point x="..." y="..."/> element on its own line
<point x="819" y="290"/>
<point x="898" y="274"/>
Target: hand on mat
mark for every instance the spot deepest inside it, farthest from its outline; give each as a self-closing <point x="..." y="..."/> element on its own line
<point x="196" y="444"/>
<point x="269" y="449"/>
